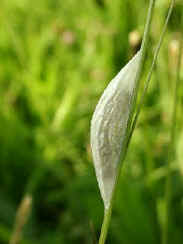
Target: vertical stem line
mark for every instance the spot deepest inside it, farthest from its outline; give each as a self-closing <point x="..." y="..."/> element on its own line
<point x="105" y="225"/>
<point x="168" y="183"/>
<point x="22" y="215"/>
<point x="143" y="50"/>
<point x="108" y="211"/>
<point x="145" y="41"/>
<point x="151" y="68"/>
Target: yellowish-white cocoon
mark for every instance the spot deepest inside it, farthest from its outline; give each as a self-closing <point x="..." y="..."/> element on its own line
<point x="109" y="126"/>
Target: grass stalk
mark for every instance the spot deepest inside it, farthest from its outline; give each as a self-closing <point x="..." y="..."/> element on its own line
<point x="168" y="182"/>
<point x="151" y="68"/>
<point x="108" y="211"/>
<point x="21" y="219"/>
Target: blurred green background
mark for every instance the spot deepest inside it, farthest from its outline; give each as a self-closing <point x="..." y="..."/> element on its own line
<point x="56" y="58"/>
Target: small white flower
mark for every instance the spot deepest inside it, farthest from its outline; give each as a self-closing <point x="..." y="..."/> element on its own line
<point x="109" y="126"/>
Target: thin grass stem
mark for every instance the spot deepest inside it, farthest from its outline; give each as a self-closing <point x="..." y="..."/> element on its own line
<point x="108" y="211"/>
<point x="168" y="183"/>
<point x="151" y="69"/>
<point x="22" y="215"/>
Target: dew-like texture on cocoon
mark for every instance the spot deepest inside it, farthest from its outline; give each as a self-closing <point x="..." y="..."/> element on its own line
<point x="109" y="124"/>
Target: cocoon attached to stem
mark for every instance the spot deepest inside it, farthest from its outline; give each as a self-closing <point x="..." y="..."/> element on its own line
<point x="109" y="126"/>
<point x="112" y="119"/>
<point x="113" y="123"/>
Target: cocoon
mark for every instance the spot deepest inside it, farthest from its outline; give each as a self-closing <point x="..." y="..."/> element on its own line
<point x="109" y="126"/>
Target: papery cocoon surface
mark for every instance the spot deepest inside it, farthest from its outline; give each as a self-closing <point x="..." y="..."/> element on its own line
<point x="109" y="126"/>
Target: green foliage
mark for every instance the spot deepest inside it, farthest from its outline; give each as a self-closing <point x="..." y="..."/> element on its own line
<point x="56" y="58"/>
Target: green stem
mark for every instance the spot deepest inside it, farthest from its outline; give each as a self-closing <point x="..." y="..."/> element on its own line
<point x="151" y="69"/>
<point x="142" y="61"/>
<point x="108" y="211"/>
<point x="168" y="187"/>
<point x="105" y="225"/>
<point x="145" y="42"/>
<point x="22" y="216"/>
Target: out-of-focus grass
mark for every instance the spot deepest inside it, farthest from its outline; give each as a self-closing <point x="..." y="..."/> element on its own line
<point x="56" y="57"/>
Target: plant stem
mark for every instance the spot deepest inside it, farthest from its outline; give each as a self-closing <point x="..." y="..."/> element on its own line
<point x="168" y="187"/>
<point x="108" y="211"/>
<point x="22" y="215"/>
<point x="151" y="69"/>
<point x="145" y="42"/>
<point x="105" y="225"/>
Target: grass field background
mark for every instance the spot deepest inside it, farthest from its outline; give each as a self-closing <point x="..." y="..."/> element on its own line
<point x="56" y="58"/>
